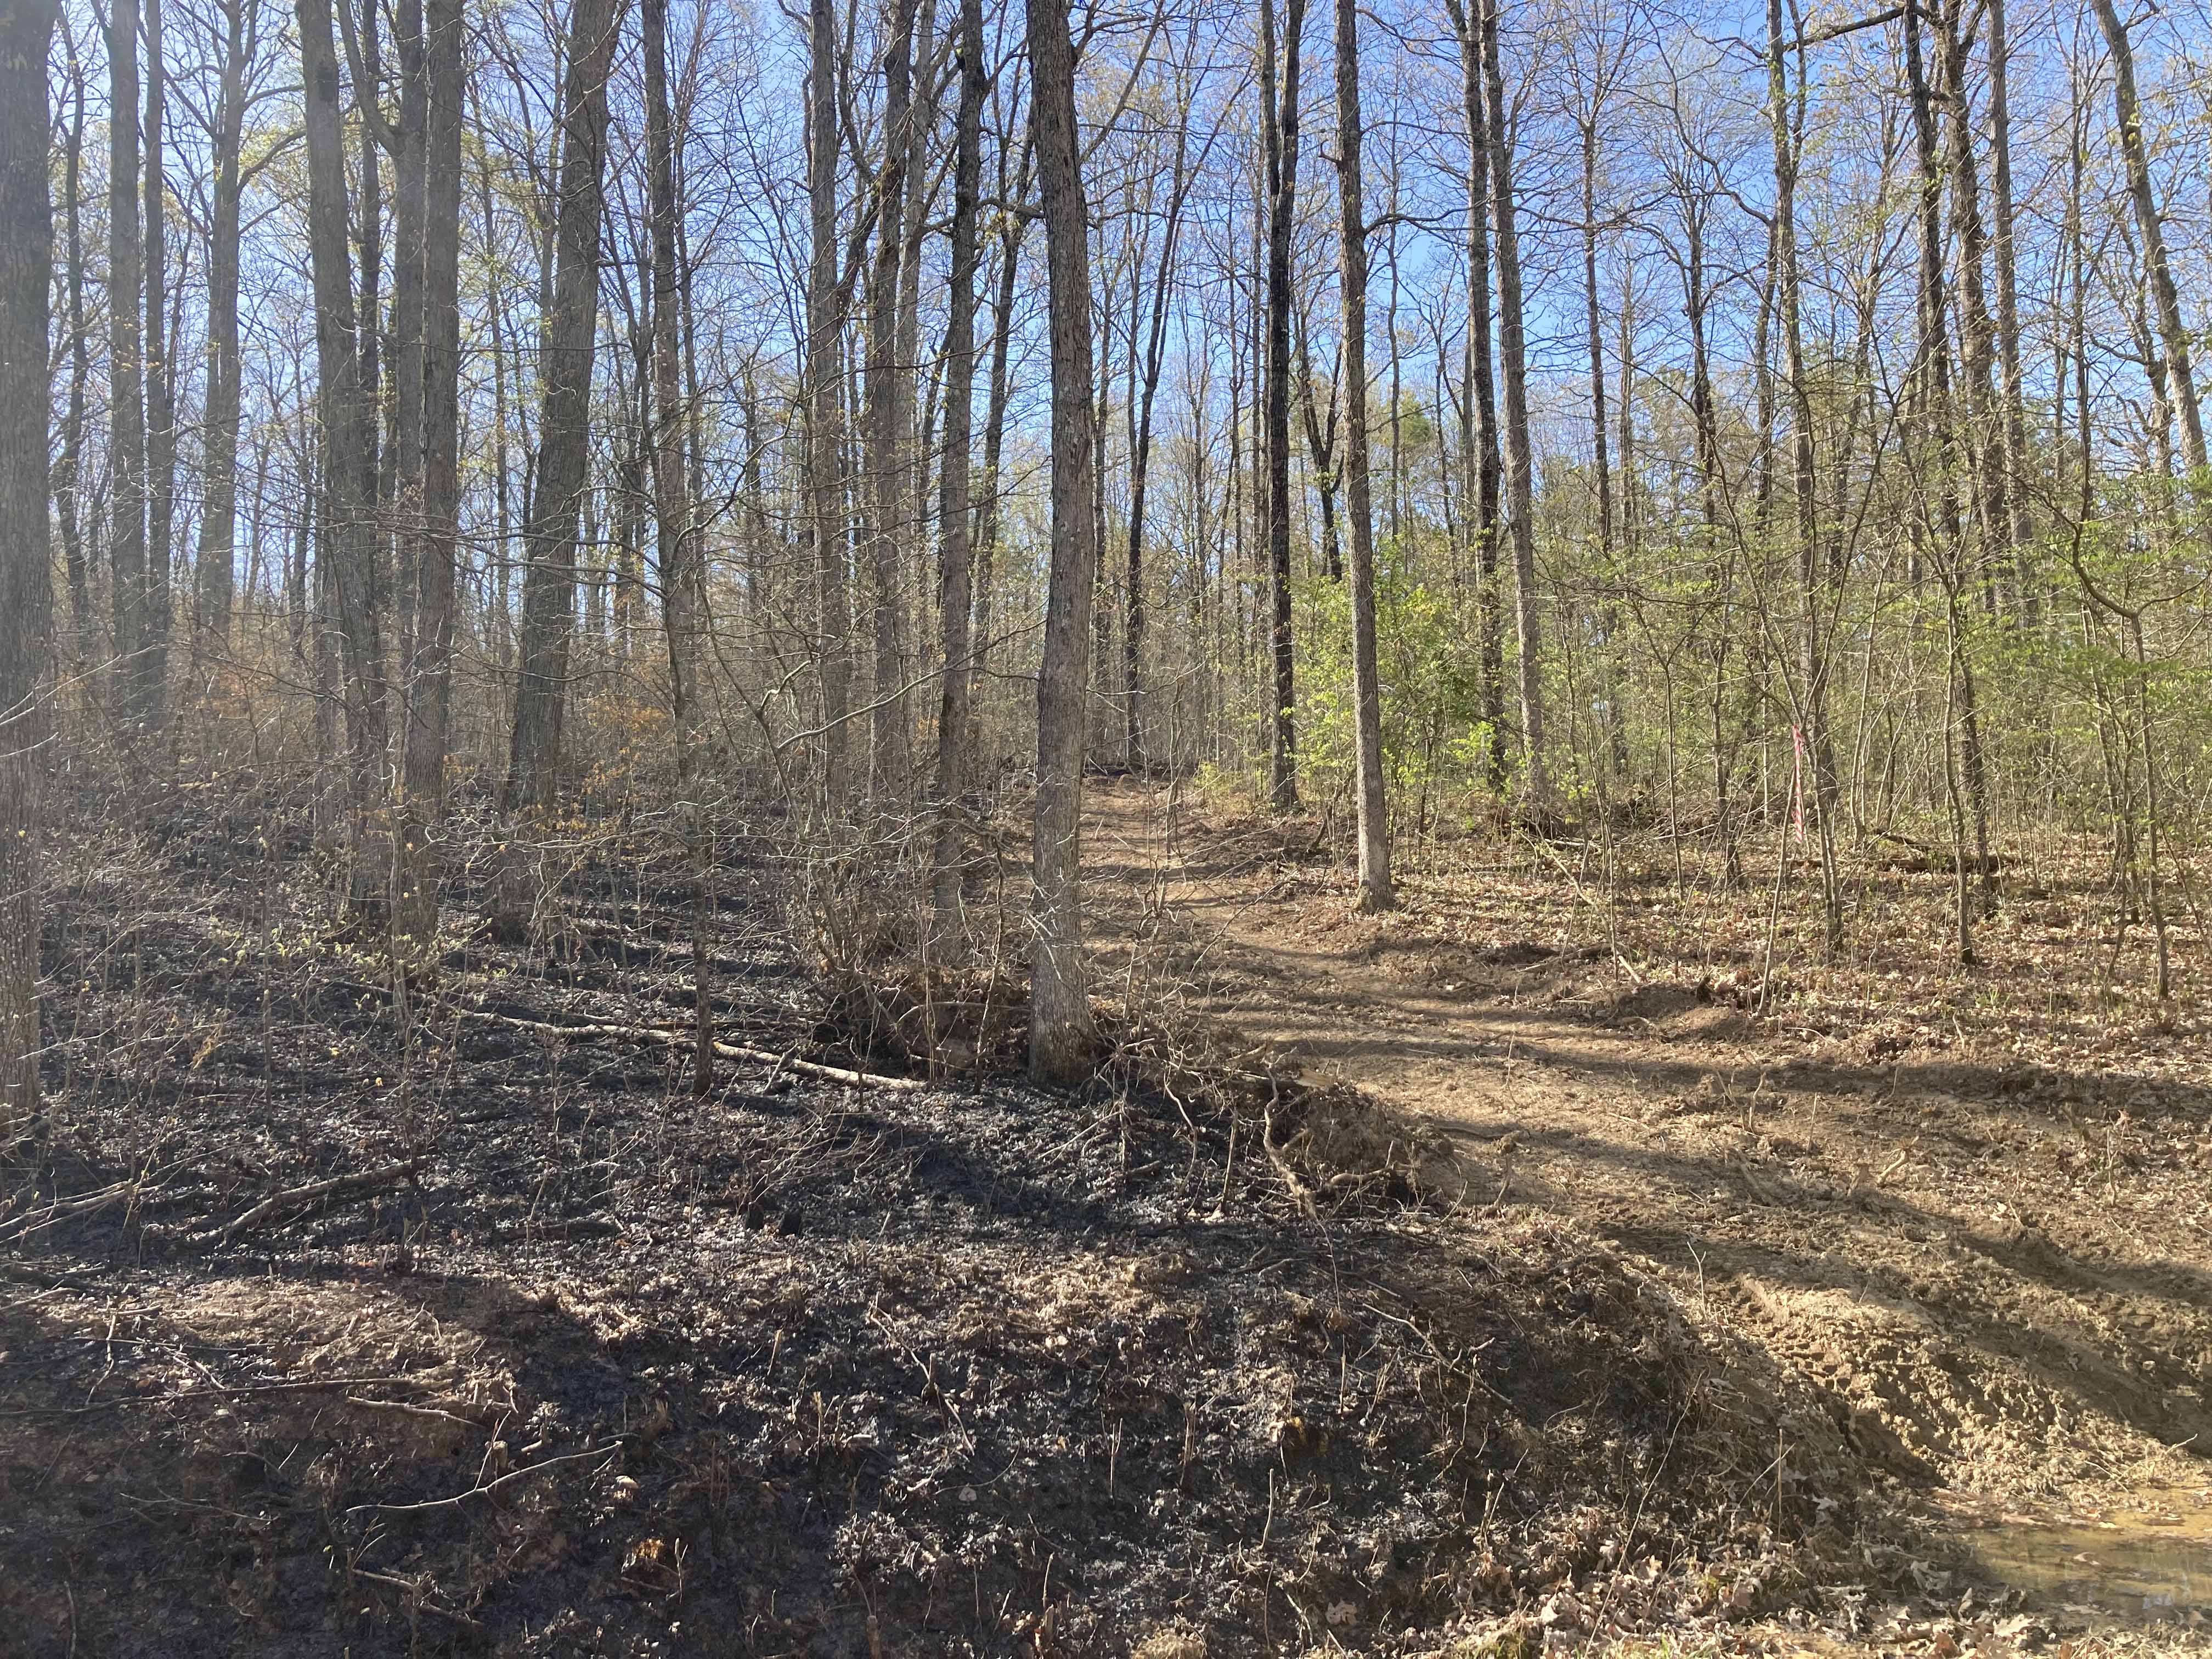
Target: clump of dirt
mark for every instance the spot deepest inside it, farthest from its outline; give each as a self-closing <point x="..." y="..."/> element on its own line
<point x="475" y="1329"/>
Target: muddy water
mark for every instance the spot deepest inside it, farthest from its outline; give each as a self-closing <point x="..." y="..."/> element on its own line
<point x="2144" y="1564"/>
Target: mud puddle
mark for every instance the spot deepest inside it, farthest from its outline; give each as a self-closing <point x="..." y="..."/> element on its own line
<point x="2137" y="1563"/>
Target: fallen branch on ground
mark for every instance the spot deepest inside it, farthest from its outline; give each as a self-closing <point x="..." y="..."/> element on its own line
<point x="684" y="1038"/>
<point x="315" y="1192"/>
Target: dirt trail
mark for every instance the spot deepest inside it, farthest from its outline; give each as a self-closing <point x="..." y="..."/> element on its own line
<point x="2000" y="1286"/>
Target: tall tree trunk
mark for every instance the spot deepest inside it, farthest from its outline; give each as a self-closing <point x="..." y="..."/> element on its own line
<point x="1932" y="391"/>
<point x="437" y="529"/>
<point x="1519" y="463"/>
<point x="410" y="155"/>
<point x="218" y="550"/>
<point x="1012" y="224"/>
<point x="1278" y="131"/>
<point x="1375" y="892"/>
<point x="126" y="371"/>
<point x="1321" y="445"/>
<point x="678" y="550"/>
<point x="69" y="466"/>
<point x="548" y="587"/>
<point x="1061" y="1029"/>
<point x="348" y="551"/>
<point x="889" y="398"/>
<point x="2022" y="529"/>
<point x="1140" y="454"/>
<point x="26" y="624"/>
<point x="825" y="438"/>
<point x="955" y="490"/>
<point x="1485" y="468"/>
<point x="160" y="380"/>
<point x="1811" y="590"/>
<point x="2158" y="271"/>
<point x="1977" y="330"/>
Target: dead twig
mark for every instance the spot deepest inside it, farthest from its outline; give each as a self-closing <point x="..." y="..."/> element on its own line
<point x="313" y="1193"/>
<point x="728" y="1050"/>
<point x="487" y="1487"/>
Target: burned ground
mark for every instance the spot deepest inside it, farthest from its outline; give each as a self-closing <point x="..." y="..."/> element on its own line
<point x="573" y="1359"/>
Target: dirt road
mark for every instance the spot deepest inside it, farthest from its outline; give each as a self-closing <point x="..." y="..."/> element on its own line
<point x="1998" y="1277"/>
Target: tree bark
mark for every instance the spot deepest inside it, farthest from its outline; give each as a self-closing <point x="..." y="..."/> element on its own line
<point x="1012" y="224"/>
<point x="161" y="382"/>
<point x="1375" y="892"/>
<point x="1813" y="616"/>
<point x="887" y="388"/>
<point x="955" y="491"/>
<point x="2158" y="271"/>
<point x="26" y="253"/>
<point x="1140" y="454"/>
<point x="549" y="586"/>
<point x="2022" y="528"/>
<point x="1485" y="468"/>
<point x="1519" y="463"/>
<point x="68" y="466"/>
<point x="215" y="578"/>
<point x="1278" y="131"/>
<point x="436" y="530"/>
<point x="825" y="436"/>
<point x="348" y="549"/>
<point x="1061" y="1029"/>
<point x="127" y="372"/>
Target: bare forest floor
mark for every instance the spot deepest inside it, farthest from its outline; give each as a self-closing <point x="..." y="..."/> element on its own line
<point x="1961" y="1219"/>
<point x="334" y="1321"/>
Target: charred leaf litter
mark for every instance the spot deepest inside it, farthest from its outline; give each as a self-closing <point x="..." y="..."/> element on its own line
<point x="546" y="1354"/>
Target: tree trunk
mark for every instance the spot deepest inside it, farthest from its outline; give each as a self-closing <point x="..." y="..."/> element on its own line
<point x="678" y="550"/>
<point x="1279" y="130"/>
<point x="2157" y="270"/>
<point x="1813" y="615"/>
<point x="825" y="437"/>
<point x="348" y="551"/>
<point x="888" y="397"/>
<point x="1519" y="463"/>
<point x="1140" y="454"/>
<point x="1485" y="466"/>
<point x="2016" y="413"/>
<point x="1375" y="892"/>
<point x="127" y="372"/>
<point x="954" y="489"/>
<point x="218" y="552"/>
<point x="410" y="152"/>
<point x="69" y="466"/>
<point x="1012" y="225"/>
<point x="161" y="381"/>
<point x="548" y="587"/>
<point x="1061" y="1029"/>
<point x="437" y="529"/>
<point x="26" y="252"/>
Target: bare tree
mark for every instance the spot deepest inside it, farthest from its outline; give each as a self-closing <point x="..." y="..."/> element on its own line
<point x="347" y="553"/>
<point x="437" y="529"/>
<point x="1520" y="466"/>
<point x="27" y="251"/>
<point x="825" y="437"/>
<point x="1479" y="442"/>
<point x="1279" y="137"/>
<point x="955" y="490"/>
<point x="161" y="372"/>
<point x="1061" y="1029"/>
<point x="548" y="587"/>
<point x="1375" y="892"/>
<point x="2158" y="270"/>
<point x="887" y="394"/>
<point x="126" y="371"/>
